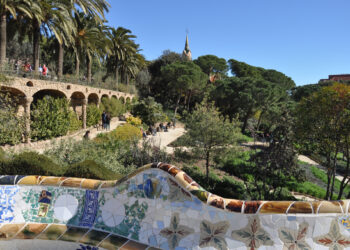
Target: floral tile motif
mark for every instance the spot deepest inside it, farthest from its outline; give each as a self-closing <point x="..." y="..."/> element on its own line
<point x="175" y="232"/>
<point x="333" y="239"/>
<point x="7" y="203"/>
<point x="213" y="234"/>
<point x="253" y="235"/>
<point x="90" y="208"/>
<point x="295" y="239"/>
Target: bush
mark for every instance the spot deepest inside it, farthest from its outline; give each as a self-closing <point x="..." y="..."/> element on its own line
<point x="74" y="123"/>
<point x="226" y="187"/>
<point x="112" y="106"/>
<point x="149" y="111"/>
<point x="11" y="125"/>
<point x="31" y="163"/>
<point x="93" y="115"/>
<point x="91" y="170"/>
<point x="127" y="132"/>
<point x="135" y="121"/>
<point x="50" y="118"/>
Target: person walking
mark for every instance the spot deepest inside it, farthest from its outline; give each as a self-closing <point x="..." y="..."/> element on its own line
<point x="44" y="70"/>
<point x="104" y="120"/>
<point x="108" y="121"/>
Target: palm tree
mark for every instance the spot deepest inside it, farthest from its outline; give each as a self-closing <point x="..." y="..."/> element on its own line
<point x="10" y="7"/>
<point x="90" y="40"/>
<point x="122" y="48"/>
<point x="94" y="8"/>
<point x="132" y="65"/>
<point x="53" y="18"/>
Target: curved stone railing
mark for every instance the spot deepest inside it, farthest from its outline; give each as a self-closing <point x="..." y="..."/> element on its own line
<point x="158" y="206"/>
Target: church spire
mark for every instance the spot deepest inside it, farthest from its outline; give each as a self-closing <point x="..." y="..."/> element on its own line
<point x="186" y="53"/>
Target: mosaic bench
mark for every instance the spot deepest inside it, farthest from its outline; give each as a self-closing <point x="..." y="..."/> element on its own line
<point x="158" y="207"/>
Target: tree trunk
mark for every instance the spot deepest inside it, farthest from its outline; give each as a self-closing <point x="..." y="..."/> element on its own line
<point x="177" y="106"/>
<point x="333" y="173"/>
<point x="117" y="76"/>
<point x="127" y="82"/>
<point x="36" y="44"/>
<point x="207" y="165"/>
<point x="60" y="61"/>
<point x="189" y="100"/>
<point x="343" y="183"/>
<point x="88" y="69"/>
<point x="245" y="121"/>
<point x="3" y="39"/>
<point x="328" y="176"/>
<point x="77" y="66"/>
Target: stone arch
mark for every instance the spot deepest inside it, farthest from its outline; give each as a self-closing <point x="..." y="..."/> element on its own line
<point x="104" y="96"/>
<point x="48" y="92"/>
<point x="77" y="100"/>
<point x="93" y="98"/>
<point x="18" y="97"/>
<point x="122" y="99"/>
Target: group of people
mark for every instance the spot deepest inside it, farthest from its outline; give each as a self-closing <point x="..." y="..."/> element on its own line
<point x="152" y="130"/>
<point x="27" y="67"/>
<point x="106" y="120"/>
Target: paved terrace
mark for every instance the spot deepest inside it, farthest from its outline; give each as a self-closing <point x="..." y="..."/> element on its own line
<point x="28" y="91"/>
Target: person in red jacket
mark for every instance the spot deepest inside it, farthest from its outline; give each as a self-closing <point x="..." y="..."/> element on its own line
<point x="44" y="70"/>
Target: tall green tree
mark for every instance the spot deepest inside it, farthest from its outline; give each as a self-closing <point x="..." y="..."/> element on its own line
<point x="323" y="127"/>
<point x="122" y="46"/>
<point x="181" y="79"/>
<point x="11" y="7"/>
<point x="209" y="132"/>
<point x="212" y="65"/>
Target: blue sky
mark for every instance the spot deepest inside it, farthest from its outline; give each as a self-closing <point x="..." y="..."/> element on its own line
<point x="305" y="39"/>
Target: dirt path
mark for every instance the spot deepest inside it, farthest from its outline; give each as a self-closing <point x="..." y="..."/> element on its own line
<point x="163" y="139"/>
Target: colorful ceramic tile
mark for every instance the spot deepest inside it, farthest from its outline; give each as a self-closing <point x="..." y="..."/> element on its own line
<point x="253" y="235"/>
<point x="93" y="237"/>
<point x="30" y="231"/>
<point x="45" y="197"/>
<point x="43" y="209"/>
<point x="113" y="242"/>
<point x="175" y="232"/>
<point x="333" y="239"/>
<point x="7" y="203"/>
<point x="132" y="245"/>
<point x="52" y="232"/>
<point x="213" y="234"/>
<point x="295" y="239"/>
<point x="90" y="208"/>
<point x="74" y="234"/>
<point x="8" y="231"/>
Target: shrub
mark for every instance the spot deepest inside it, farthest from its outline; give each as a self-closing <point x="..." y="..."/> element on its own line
<point x="135" y="121"/>
<point x="226" y="187"/>
<point x="112" y="106"/>
<point x="50" y="118"/>
<point x="93" y="115"/>
<point x="11" y="125"/>
<point x="149" y="111"/>
<point x="74" y="122"/>
<point x="31" y="163"/>
<point x="127" y="132"/>
<point x="91" y="170"/>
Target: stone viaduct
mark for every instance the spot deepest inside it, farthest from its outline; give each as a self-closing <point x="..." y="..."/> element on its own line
<point x="28" y="91"/>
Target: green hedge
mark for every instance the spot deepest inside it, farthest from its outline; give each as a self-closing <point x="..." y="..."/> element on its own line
<point x="112" y="106"/>
<point x="93" y="116"/>
<point x="91" y="170"/>
<point x="30" y="163"/>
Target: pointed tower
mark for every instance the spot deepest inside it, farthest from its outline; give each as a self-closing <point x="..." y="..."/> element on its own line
<point x="186" y="53"/>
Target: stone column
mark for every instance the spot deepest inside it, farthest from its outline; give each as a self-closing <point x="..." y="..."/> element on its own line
<point x="28" y="101"/>
<point x="85" y="101"/>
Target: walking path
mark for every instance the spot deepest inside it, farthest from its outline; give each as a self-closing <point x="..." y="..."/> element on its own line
<point x="163" y="139"/>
